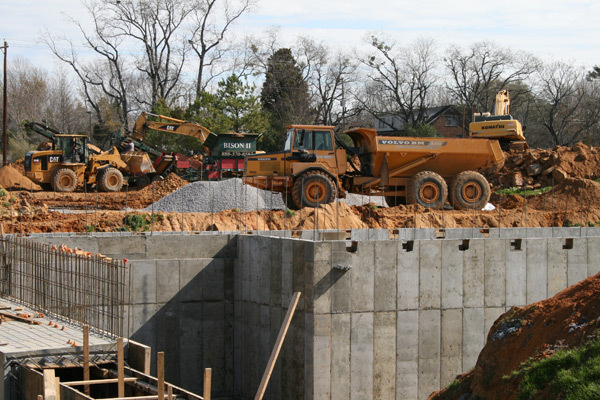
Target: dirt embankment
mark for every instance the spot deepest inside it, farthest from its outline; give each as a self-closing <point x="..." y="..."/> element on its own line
<point x="568" y="320"/>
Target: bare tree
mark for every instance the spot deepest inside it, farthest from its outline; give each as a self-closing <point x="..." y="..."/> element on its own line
<point x="64" y="110"/>
<point x="152" y="25"/>
<point x="212" y="19"/>
<point x="107" y="77"/>
<point x="120" y="30"/>
<point x="566" y="103"/>
<point x="477" y="73"/>
<point x="329" y="78"/>
<point x="401" y="79"/>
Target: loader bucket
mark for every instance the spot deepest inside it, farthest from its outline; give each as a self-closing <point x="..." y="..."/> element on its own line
<point x="137" y="162"/>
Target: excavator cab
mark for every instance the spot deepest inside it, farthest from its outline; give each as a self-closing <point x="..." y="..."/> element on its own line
<point x="500" y="126"/>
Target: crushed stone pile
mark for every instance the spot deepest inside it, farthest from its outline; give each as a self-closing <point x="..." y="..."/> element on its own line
<point x="215" y="196"/>
<point x="11" y="178"/>
<point x="544" y="167"/>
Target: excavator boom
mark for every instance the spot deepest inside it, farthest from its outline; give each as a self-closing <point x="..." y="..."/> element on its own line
<point x="172" y="125"/>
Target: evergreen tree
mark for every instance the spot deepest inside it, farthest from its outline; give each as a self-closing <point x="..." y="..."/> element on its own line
<point x="284" y="97"/>
<point x="234" y="107"/>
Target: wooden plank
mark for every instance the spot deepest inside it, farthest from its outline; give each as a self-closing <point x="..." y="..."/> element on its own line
<point x="57" y="387"/>
<point x="152" y="397"/>
<point x="207" y="383"/>
<point x="22" y="319"/>
<point x="139" y="356"/>
<point x="170" y="392"/>
<point x="49" y="384"/>
<point x="97" y="381"/>
<point x="151" y="380"/>
<point x="86" y="358"/>
<point x="278" y="343"/>
<point x="120" y="368"/>
<point x="160" y="374"/>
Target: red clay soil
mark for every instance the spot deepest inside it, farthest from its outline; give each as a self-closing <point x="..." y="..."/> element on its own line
<point x="567" y="320"/>
<point x="13" y="179"/>
<point x="545" y="167"/>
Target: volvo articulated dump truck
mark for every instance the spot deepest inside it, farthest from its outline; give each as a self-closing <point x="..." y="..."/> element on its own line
<point x="316" y="167"/>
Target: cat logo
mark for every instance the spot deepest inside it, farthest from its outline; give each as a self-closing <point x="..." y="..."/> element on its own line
<point x="54" y="159"/>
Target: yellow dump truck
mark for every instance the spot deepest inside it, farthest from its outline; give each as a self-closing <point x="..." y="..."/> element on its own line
<point x="316" y="167"/>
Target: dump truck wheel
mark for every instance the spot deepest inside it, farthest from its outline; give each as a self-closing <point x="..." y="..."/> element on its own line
<point x="64" y="180"/>
<point x="289" y="202"/>
<point x="313" y="189"/>
<point x="427" y="189"/>
<point x="111" y="180"/>
<point x="469" y="190"/>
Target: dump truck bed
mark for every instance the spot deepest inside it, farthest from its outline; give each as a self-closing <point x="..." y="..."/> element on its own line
<point x="406" y="156"/>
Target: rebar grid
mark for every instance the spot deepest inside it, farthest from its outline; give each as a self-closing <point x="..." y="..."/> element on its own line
<point x="75" y="287"/>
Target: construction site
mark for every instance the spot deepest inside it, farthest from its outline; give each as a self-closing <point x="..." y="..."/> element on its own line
<point x="388" y="269"/>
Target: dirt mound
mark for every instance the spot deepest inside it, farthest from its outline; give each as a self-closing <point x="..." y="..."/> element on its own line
<point x="19" y="165"/>
<point x="11" y="178"/>
<point x="161" y="188"/>
<point x="545" y="167"/>
<point x="571" y="193"/>
<point x="568" y="320"/>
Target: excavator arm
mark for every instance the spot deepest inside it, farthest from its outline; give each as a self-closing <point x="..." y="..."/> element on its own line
<point x="173" y="125"/>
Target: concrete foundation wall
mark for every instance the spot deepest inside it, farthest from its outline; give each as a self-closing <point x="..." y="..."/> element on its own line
<point x="377" y="319"/>
<point x="401" y="323"/>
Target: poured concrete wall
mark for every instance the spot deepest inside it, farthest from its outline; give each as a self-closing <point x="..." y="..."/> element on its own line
<point x="401" y="323"/>
<point x="377" y="319"/>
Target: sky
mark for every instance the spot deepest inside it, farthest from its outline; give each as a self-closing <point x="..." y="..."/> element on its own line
<point x="551" y="29"/>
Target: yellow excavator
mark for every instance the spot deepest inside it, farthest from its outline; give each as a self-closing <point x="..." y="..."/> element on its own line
<point x="173" y="125"/>
<point x="500" y="126"/>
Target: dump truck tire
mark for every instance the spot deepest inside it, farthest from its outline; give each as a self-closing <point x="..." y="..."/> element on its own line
<point x="289" y="202"/>
<point x="312" y="189"/>
<point x="469" y="190"/>
<point x="64" y="180"/>
<point x="110" y="180"/>
<point x="427" y="189"/>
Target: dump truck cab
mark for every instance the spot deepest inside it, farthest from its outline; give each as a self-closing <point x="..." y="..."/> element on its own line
<point x="306" y="171"/>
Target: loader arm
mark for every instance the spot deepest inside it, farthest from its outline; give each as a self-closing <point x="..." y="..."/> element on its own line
<point x="173" y="125"/>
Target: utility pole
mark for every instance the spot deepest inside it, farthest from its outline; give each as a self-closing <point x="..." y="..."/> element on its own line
<point x="89" y="112"/>
<point x="4" y="110"/>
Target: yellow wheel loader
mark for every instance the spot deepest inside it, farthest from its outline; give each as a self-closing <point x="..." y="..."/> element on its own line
<point x="69" y="163"/>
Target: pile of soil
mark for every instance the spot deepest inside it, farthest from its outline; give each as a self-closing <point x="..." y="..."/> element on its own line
<point x="161" y="188"/>
<point x="575" y="193"/>
<point x="11" y="178"/>
<point x="568" y="320"/>
<point x="545" y="167"/>
<point x="19" y="165"/>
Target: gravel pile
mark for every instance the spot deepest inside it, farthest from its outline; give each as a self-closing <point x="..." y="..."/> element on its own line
<point x="215" y="196"/>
